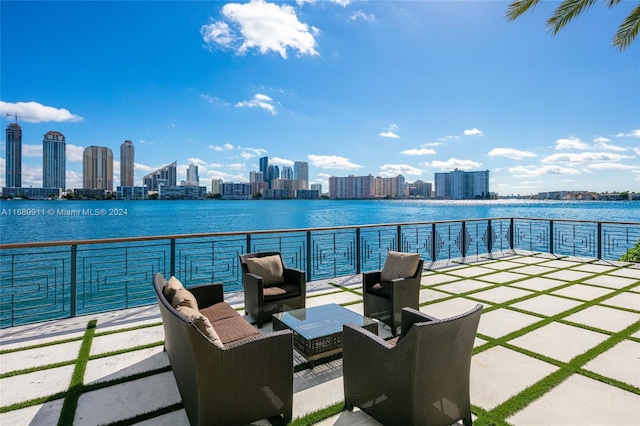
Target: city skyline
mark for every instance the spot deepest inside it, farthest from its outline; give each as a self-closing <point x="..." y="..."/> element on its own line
<point x="352" y="88"/>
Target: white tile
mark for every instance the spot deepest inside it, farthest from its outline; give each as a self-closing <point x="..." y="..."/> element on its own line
<point x="501" y="322"/>
<point x="581" y="401"/>
<point x="127" y="339"/>
<point x="498" y="373"/>
<point x="435" y="279"/>
<point x="611" y="281"/>
<point x="538" y="284"/>
<point x="41" y="414"/>
<point x="529" y="260"/>
<point x="317" y="397"/>
<point x="30" y="358"/>
<point x="560" y="264"/>
<point x="126" y="364"/>
<point x="625" y="300"/>
<point x="547" y="305"/>
<point x="621" y="362"/>
<point x="502" y="277"/>
<point x="127" y="400"/>
<point x="429" y="295"/>
<point x="589" y="267"/>
<point x="627" y="272"/>
<point x="337" y="297"/>
<point x="463" y="286"/>
<point x="533" y="270"/>
<point x="450" y="308"/>
<point x="471" y="271"/>
<point x="559" y="341"/>
<point x="609" y="319"/>
<point x="500" y="294"/>
<point x="501" y="265"/>
<point x="41" y="383"/>
<point x="568" y="275"/>
<point x="582" y="292"/>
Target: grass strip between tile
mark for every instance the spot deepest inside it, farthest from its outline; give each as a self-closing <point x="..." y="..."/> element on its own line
<point x="75" y="388"/>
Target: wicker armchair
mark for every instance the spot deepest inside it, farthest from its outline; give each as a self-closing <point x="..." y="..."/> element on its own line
<point x="269" y="286"/>
<point x="239" y="383"/>
<point x="423" y="379"/>
<point x="396" y="286"/>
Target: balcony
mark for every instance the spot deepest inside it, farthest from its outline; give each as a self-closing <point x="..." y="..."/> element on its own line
<point x="559" y="336"/>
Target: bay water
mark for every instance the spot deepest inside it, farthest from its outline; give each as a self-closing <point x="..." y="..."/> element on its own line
<point x="41" y="221"/>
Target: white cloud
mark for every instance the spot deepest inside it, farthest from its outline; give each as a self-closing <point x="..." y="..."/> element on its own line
<point x="31" y="150"/>
<point x="254" y="152"/>
<point x="213" y="99"/>
<point x="144" y="168"/>
<point x="607" y="146"/>
<point x="73" y="180"/>
<point x="361" y="15"/>
<point x="473" y="131"/>
<point x="421" y="151"/>
<point x="532" y="171"/>
<point x="388" y="135"/>
<point x="515" y="154"/>
<point x="454" y="163"/>
<point x="263" y="26"/>
<point x="74" y="153"/>
<point x="225" y="147"/>
<point x="332" y="162"/>
<point x="392" y="170"/>
<point x="584" y="157"/>
<point x="280" y="161"/>
<point x="33" y="112"/>
<point x="637" y="150"/>
<point x="259" y="101"/>
<point x="196" y="161"/>
<point x="633" y="134"/>
<point x="601" y="139"/>
<point x="571" y="143"/>
<point x="612" y="166"/>
<point x="323" y="175"/>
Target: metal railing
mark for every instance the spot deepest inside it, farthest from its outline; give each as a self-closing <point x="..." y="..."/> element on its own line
<point x="52" y="280"/>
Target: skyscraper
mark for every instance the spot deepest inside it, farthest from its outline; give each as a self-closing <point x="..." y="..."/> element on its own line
<point x="286" y="173"/>
<point x="301" y="173"/>
<point x="166" y="176"/>
<point x="126" y="164"/>
<point x="458" y="185"/>
<point x="13" y="166"/>
<point x="97" y="168"/>
<point x="54" y="155"/>
<point x="192" y="175"/>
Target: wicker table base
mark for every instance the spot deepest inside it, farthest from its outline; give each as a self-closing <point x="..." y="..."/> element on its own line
<point x="317" y="331"/>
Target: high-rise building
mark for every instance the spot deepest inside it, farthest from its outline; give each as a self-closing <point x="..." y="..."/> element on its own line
<point x="13" y="164"/>
<point x="264" y="168"/>
<point x="459" y="185"/>
<point x="192" y="175"/>
<point x="54" y="156"/>
<point x="286" y="173"/>
<point x="127" y="163"/>
<point x="97" y="168"/>
<point x="165" y="176"/>
<point x="301" y="173"/>
<point x="351" y="187"/>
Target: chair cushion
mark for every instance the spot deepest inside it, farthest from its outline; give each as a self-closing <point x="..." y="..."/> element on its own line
<point x="399" y="265"/>
<point x="184" y="297"/>
<point x="219" y="311"/>
<point x="171" y="287"/>
<point x="233" y="329"/>
<point x="267" y="267"/>
<point x="201" y="322"/>
<point x="280" y="291"/>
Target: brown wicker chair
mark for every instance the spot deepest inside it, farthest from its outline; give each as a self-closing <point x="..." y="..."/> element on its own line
<point x="384" y="300"/>
<point x="240" y="383"/>
<point x="421" y="380"/>
<point x="264" y="296"/>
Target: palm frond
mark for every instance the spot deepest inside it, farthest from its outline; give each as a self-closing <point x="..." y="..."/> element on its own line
<point x="566" y="11"/>
<point x="518" y="8"/>
<point x="628" y="30"/>
<point x="611" y="3"/>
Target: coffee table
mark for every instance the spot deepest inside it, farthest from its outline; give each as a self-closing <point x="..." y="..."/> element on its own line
<point x="317" y="331"/>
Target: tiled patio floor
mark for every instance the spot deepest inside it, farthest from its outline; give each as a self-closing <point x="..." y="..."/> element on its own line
<point x="558" y="343"/>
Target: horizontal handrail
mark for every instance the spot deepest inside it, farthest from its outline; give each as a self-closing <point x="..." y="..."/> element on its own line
<point x="59" y="279"/>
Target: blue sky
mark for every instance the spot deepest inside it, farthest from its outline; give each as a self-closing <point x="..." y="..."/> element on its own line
<point x="351" y="87"/>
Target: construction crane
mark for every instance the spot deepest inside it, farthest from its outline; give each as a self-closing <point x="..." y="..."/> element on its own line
<point x="16" y="115"/>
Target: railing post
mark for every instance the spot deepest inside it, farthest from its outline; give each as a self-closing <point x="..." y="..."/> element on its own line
<point x="399" y="237"/>
<point x="309" y="269"/>
<point x="511" y="234"/>
<point x="464" y="239"/>
<point x="551" y="236"/>
<point x="248" y="248"/>
<point x="489" y="237"/>
<point x="358" y="256"/>
<point x="172" y="266"/>
<point x="433" y="242"/>
<point x="74" y="281"/>
<point x="599" y="240"/>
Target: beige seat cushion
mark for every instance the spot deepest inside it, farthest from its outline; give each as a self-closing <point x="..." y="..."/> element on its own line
<point x="184" y="297"/>
<point x="234" y="329"/>
<point x="219" y="311"/>
<point x="201" y="322"/>
<point x="171" y="287"/>
<point x="267" y="267"/>
<point x="399" y="265"/>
